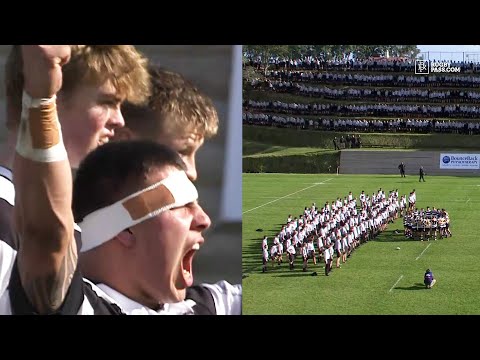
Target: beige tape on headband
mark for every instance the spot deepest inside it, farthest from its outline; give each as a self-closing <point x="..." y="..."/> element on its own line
<point x="148" y="202"/>
<point x="105" y="223"/>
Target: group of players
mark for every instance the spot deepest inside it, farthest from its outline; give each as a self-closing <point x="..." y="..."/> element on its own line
<point x="426" y="224"/>
<point x="337" y="228"/>
<point x="98" y="209"/>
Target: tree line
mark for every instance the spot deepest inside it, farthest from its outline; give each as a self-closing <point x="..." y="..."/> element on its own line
<point x="328" y="52"/>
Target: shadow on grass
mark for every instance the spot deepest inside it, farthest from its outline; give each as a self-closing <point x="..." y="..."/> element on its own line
<point x="417" y="286"/>
<point x="298" y="268"/>
<point x="296" y="274"/>
<point x="394" y="235"/>
<point x="252" y="254"/>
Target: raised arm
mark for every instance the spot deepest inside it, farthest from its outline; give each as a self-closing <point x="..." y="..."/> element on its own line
<point x="47" y="256"/>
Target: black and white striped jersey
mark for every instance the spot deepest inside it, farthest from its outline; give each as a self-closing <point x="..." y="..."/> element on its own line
<point x="7" y="200"/>
<point x="220" y="298"/>
<point x="86" y="298"/>
<point x="83" y="298"/>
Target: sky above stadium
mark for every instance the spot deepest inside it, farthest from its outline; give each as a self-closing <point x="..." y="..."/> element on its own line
<point x="452" y="52"/>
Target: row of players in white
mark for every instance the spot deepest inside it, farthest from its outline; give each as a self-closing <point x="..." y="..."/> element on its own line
<point x="374" y="214"/>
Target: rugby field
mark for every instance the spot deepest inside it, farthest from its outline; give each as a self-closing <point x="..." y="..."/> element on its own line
<point x="377" y="279"/>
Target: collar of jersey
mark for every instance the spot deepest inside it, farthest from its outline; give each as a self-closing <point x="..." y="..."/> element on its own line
<point x="131" y="307"/>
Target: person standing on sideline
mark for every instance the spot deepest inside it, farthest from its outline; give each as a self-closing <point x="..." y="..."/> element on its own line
<point x="422" y="173"/>
<point x="402" y="169"/>
<point x="335" y="144"/>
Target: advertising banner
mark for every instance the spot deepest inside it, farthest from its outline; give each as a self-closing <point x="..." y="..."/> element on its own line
<point x="460" y="161"/>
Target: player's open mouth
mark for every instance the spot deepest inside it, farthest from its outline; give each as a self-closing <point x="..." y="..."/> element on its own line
<point x="187" y="268"/>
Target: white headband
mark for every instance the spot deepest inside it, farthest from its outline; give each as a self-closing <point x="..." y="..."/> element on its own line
<point x="103" y="224"/>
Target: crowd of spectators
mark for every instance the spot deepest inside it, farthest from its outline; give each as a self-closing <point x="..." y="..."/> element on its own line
<point x="363" y="125"/>
<point x="366" y="96"/>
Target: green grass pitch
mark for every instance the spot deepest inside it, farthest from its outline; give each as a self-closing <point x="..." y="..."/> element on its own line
<point x="377" y="279"/>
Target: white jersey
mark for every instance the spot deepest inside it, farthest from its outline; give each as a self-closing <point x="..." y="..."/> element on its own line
<point x="264" y="243"/>
<point x="273" y="250"/>
<point x="304" y="251"/>
<point x="326" y="254"/>
<point x="280" y="248"/>
<point x="320" y="243"/>
<point x="291" y="250"/>
<point x="288" y="242"/>
<point x="338" y="245"/>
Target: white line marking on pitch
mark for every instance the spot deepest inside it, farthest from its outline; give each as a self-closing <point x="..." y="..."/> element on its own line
<point x="418" y="257"/>
<point x="467" y="201"/>
<point x="283" y="197"/>
<point x="400" y="278"/>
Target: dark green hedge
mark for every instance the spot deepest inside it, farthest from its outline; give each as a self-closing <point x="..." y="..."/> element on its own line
<point x="324" y="139"/>
<point x="302" y="164"/>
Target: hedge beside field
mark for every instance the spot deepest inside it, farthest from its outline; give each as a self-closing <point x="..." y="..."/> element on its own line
<point x="302" y="164"/>
<point x="324" y="139"/>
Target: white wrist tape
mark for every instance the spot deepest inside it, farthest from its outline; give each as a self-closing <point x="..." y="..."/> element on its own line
<point x="104" y="224"/>
<point x="39" y="135"/>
